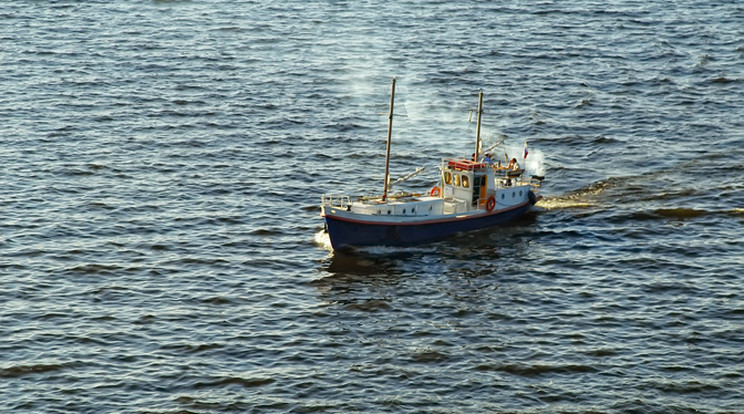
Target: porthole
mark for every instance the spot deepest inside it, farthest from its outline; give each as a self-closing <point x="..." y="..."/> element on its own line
<point x="520" y="193"/>
<point x="413" y="210"/>
<point x="388" y="212"/>
<point x="503" y="196"/>
<point x="514" y="194"/>
<point x="404" y="211"/>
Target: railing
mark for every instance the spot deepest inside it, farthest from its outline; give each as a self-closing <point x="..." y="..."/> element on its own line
<point x="334" y="200"/>
<point x="463" y="164"/>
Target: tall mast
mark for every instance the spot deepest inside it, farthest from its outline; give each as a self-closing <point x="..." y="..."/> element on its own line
<point x="477" y="134"/>
<point x="389" y="133"/>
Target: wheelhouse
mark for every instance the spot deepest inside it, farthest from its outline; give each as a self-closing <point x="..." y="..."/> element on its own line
<point x="470" y="181"/>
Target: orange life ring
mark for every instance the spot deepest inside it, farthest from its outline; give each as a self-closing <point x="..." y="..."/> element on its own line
<point x="490" y="203"/>
<point x="434" y="192"/>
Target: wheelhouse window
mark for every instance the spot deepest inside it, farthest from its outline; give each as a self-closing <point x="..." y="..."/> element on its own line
<point x="465" y="181"/>
<point x="447" y="177"/>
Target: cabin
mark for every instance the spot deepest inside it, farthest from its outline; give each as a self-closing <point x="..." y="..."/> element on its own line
<point x="468" y="185"/>
<point x="408" y="207"/>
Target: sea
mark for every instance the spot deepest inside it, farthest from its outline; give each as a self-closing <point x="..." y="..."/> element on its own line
<point x="163" y="162"/>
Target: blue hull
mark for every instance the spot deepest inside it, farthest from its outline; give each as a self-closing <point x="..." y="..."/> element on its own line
<point x="343" y="232"/>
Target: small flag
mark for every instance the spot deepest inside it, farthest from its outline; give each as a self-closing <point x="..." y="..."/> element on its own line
<point x="525" y="150"/>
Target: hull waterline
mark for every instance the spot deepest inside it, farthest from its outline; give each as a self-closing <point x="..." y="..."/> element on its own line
<point x="345" y="232"/>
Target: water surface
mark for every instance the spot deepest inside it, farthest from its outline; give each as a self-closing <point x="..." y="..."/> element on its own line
<point x="161" y="248"/>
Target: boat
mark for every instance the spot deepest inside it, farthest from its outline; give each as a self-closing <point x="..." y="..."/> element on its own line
<point x="472" y="193"/>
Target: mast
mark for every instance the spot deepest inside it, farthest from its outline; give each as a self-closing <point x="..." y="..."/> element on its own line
<point x="477" y="134"/>
<point x="389" y="133"/>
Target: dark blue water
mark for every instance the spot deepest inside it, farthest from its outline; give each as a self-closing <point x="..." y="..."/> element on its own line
<point x="163" y="161"/>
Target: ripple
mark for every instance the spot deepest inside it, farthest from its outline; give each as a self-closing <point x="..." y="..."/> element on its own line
<point x="532" y="370"/>
<point x="161" y="248"/>
<point x="16" y="371"/>
<point x="243" y="382"/>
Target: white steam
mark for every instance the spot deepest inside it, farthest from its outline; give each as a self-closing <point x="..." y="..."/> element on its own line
<point x="534" y="164"/>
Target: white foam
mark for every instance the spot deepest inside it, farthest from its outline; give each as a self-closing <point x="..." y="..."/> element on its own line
<point x="323" y="240"/>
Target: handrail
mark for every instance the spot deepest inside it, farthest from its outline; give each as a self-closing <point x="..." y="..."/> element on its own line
<point x="335" y="200"/>
<point x="463" y="164"/>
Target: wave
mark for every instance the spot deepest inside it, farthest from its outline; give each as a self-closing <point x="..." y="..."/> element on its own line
<point x="557" y="203"/>
<point x="646" y="198"/>
<point x="582" y="201"/>
<point x="588" y="196"/>
<point x="679" y="212"/>
<point x="532" y="370"/>
<point x="21" y="370"/>
<point x="323" y="240"/>
<point x="682" y="213"/>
